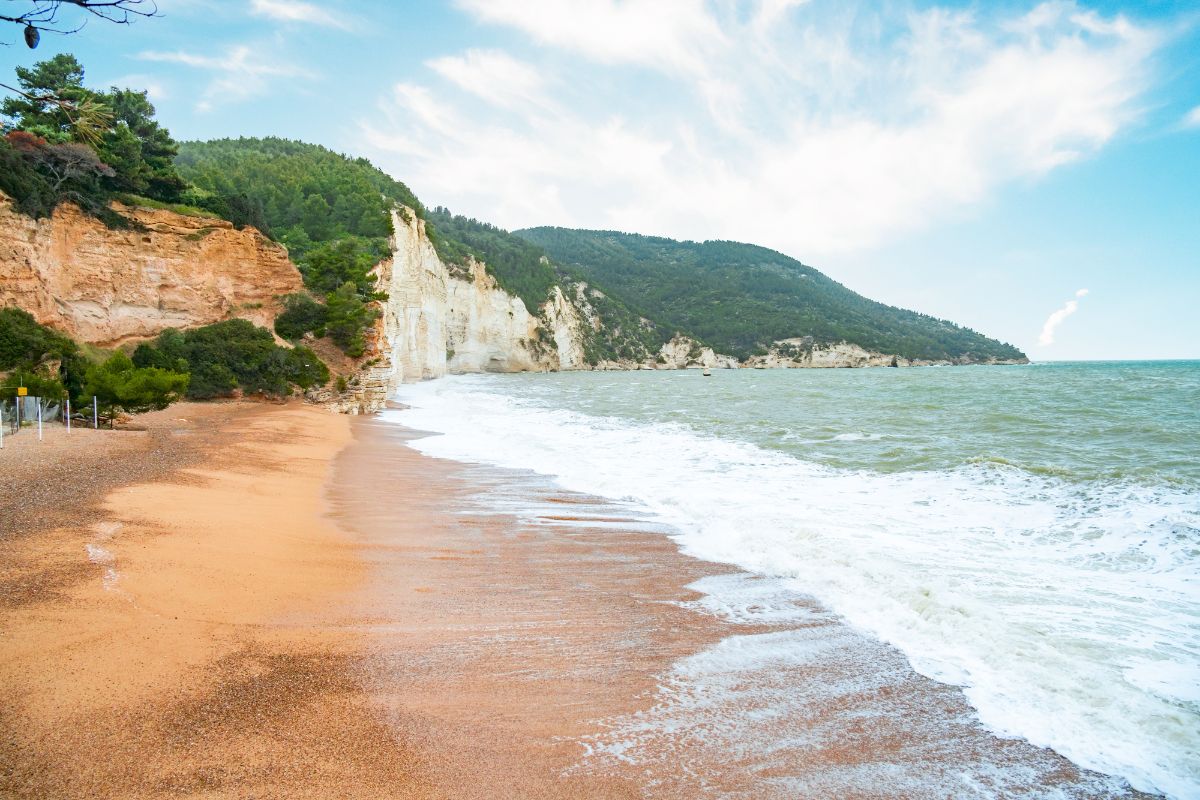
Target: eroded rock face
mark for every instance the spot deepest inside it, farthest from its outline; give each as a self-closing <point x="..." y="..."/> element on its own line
<point x="437" y="322"/>
<point x="802" y="353"/>
<point x="683" y="352"/>
<point x="108" y="287"/>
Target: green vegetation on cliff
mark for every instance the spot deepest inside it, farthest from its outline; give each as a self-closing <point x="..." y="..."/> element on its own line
<point x="307" y="194"/>
<point x="333" y="213"/>
<point x="739" y="298"/>
<point x="520" y="268"/>
<point x="65" y="142"/>
<point x="523" y="269"/>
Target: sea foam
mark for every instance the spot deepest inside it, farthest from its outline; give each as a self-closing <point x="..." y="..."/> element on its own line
<point x="1067" y="613"/>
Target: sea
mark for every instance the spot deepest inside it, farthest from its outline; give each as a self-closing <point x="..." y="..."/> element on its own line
<point x="1030" y="534"/>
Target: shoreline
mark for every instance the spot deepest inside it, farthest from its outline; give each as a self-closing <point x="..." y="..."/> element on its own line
<point x="282" y="601"/>
<point x="692" y="703"/>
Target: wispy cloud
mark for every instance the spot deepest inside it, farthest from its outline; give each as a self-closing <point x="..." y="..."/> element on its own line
<point x="154" y="88"/>
<point x="671" y="34"/>
<point x="239" y="73"/>
<point x="812" y="128"/>
<point x="1050" y="328"/>
<point x="292" y="11"/>
<point x="1192" y="118"/>
<point x="493" y="76"/>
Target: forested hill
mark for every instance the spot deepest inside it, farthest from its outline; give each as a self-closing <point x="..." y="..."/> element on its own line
<point x="739" y="298"/>
<point x="332" y="213"/>
<point x="302" y="193"/>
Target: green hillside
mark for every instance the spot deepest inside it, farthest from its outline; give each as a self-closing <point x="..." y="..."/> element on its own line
<point x="306" y="193"/>
<point x="738" y="298"/>
<point x="332" y="210"/>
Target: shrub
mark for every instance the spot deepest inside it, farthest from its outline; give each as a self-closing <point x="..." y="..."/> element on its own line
<point x="348" y="318"/>
<point x="230" y="355"/>
<point x="118" y="384"/>
<point x="26" y="344"/>
<point x="300" y="315"/>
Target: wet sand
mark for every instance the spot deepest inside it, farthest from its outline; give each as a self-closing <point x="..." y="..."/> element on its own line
<point x="535" y="643"/>
<point x="266" y="601"/>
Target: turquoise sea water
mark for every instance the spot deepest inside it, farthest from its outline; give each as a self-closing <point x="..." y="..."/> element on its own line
<point x="1031" y="534"/>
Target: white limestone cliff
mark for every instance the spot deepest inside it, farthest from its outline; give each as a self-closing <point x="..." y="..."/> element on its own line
<point x="437" y="322"/>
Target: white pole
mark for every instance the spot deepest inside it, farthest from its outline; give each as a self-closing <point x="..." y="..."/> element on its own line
<point x="39" y="406"/>
<point x="95" y="423"/>
<point x="68" y="413"/>
<point x="1" y="425"/>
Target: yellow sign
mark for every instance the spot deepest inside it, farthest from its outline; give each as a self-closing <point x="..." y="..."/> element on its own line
<point x="22" y="391"/>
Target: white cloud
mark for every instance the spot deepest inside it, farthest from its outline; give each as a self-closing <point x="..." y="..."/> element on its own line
<point x="828" y="130"/>
<point x="674" y="34"/>
<point x="155" y="89"/>
<point x="1192" y="118"/>
<point x="238" y="74"/>
<point x="493" y="76"/>
<point x="1050" y="327"/>
<point x="294" y="11"/>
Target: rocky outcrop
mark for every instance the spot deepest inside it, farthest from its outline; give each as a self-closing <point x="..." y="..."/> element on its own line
<point x="437" y="321"/>
<point x="803" y="353"/>
<point x="107" y="287"/>
<point x="683" y="352"/>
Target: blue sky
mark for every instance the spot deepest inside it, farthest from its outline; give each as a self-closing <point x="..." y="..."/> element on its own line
<point x="984" y="162"/>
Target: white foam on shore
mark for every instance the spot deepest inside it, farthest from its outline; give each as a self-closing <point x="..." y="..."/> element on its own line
<point x="1069" y="614"/>
<point x="105" y="558"/>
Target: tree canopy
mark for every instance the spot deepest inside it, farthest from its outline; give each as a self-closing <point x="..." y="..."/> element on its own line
<point x="308" y="194"/>
<point x="119" y="385"/>
<point x="64" y="141"/>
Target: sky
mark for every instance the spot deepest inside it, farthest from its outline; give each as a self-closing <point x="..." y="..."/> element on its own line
<point x="1030" y="170"/>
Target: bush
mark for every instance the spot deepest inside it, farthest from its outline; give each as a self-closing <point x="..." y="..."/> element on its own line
<point x="301" y="314"/>
<point x="24" y="344"/>
<point x="118" y="384"/>
<point x="231" y="355"/>
<point x="330" y="264"/>
<point x="348" y="317"/>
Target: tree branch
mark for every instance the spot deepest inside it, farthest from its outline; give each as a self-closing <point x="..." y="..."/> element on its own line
<point x="43" y="16"/>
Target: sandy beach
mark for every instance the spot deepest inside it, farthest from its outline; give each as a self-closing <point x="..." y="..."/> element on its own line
<point x="165" y="624"/>
<point x="252" y="600"/>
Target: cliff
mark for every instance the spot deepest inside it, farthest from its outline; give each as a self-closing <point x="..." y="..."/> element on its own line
<point x="437" y="322"/>
<point x="441" y="320"/>
<point x="107" y="287"/>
